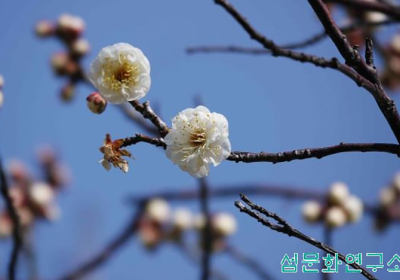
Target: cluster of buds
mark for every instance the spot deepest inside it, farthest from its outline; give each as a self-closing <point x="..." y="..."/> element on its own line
<point x="160" y="223"/>
<point x="33" y="199"/>
<point x="339" y="208"/>
<point x="222" y="226"/>
<point x="1" y="91"/>
<point x="68" y="29"/>
<point x="389" y="204"/>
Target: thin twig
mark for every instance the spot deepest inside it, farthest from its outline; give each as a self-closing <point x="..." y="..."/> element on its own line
<point x="104" y="255"/>
<point x="148" y="113"/>
<point x="282" y="226"/>
<point x="206" y="234"/>
<point x="327" y="239"/>
<point x="16" y="232"/>
<point x="129" y="113"/>
<point x="353" y="59"/>
<point x="297" y="45"/>
<point x="249" y="262"/>
<point x="30" y="255"/>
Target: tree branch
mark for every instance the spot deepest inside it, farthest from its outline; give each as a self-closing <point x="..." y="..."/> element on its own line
<point x="16" y="232"/>
<point x="109" y="250"/>
<point x="249" y="262"/>
<point x="206" y="234"/>
<point x="283" y="227"/>
<point x="352" y="57"/>
<point x="297" y="45"/>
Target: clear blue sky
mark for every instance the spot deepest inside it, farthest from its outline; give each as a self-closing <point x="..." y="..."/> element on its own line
<point x="272" y="104"/>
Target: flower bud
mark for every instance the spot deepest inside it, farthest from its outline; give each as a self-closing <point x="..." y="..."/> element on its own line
<point x="182" y="219"/>
<point x="25" y="216"/>
<point x="354" y="208"/>
<point x="335" y="217"/>
<point x="96" y="103"/>
<point x="59" y="63"/>
<point x="158" y="210"/>
<point x="51" y="212"/>
<point x="6" y="225"/>
<point x="18" y="196"/>
<point x="18" y="171"/>
<point x="199" y="222"/>
<point x="80" y="47"/>
<point x="72" y="26"/>
<point x="312" y="211"/>
<point x="387" y="196"/>
<point x="224" y="224"/>
<point x="44" y="29"/>
<point x="41" y="194"/>
<point x="375" y="17"/>
<point x="67" y="92"/>
<point x="338" y="193"/>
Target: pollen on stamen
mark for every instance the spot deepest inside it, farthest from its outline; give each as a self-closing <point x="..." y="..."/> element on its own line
<point x="119" y="75"/>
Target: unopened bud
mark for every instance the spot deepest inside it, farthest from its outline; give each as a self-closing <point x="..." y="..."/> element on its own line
<point x="224" y="224"/>
<point x="6" y="225"/>
<point x="387" y="196"/>
<point x="68" y="92"/>
<point x="199" y="222"/>
<point x="395" y="43"/>
<point x="51" y="212"/>
<point x="81" y="47"/>
<point x="59" y="62"/>
<point x="338" y="193"/>
<point x="158" y="210"/>
<point x="96" y="103"/>
<point x="354" y="208"/>
<point x="1" y="98"/>
<point x="72" y="26"/>
<point x="44" y="29"/>
<point x="182" y="219"/>
<point x="41" y="193"/>
<point x="396" y="182"/>
<point x="312" y="211"/>
<point x="25" y="216"/>
<point x="335" y="217"/>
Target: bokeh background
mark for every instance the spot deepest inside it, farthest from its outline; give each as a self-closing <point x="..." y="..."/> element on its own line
<point x="272" y="104"/>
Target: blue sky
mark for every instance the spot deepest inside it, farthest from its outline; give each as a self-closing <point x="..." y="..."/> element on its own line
<point x="272" y="104"/>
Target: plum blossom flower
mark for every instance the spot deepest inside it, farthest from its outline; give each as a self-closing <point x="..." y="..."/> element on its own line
<point x="121" y="73"/>
<point x="113" y="154"/>
<point x="197" y="139"/>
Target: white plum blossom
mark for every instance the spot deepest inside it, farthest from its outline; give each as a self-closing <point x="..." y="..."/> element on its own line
<point x="197" y="139"/>
<point x="387" y="196"/>
<point x="182" y="219"/>
<point x="121" y="73"/>
<point x="41" y="193"/>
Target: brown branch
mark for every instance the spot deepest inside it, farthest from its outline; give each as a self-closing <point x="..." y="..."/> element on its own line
<point x="362" y="5"/>
<point x="109" y="250"/>
<point x="287" y="156"/>
<point x="282" y="226"/>
<point x="206" y="234"/>
<point x="353" y="59"/>
<point x="286" y="192"/>
<point x="313" y="152"/>
<point x="249" y="262"/>
<point x="297" y="45"/>
<point x="16" y="232"/>
<point x="148" y="113"/>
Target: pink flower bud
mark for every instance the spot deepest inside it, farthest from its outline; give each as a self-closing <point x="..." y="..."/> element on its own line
<point x="70" y="26"/>
<point x="96" y="103"/>
<point x="44" y="29"/>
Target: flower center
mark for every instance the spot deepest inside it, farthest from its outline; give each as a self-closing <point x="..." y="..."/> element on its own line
<point x="120" y="74"/>
<point x="198" y="137"/>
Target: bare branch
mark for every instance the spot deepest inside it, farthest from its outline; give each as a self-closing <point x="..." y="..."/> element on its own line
<point x="352" y="57"/>
<point x="109" y="250"/>
<point x="16" y="232"/>
<point x="282" y="226"/>
<point x="206" y="234"/>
